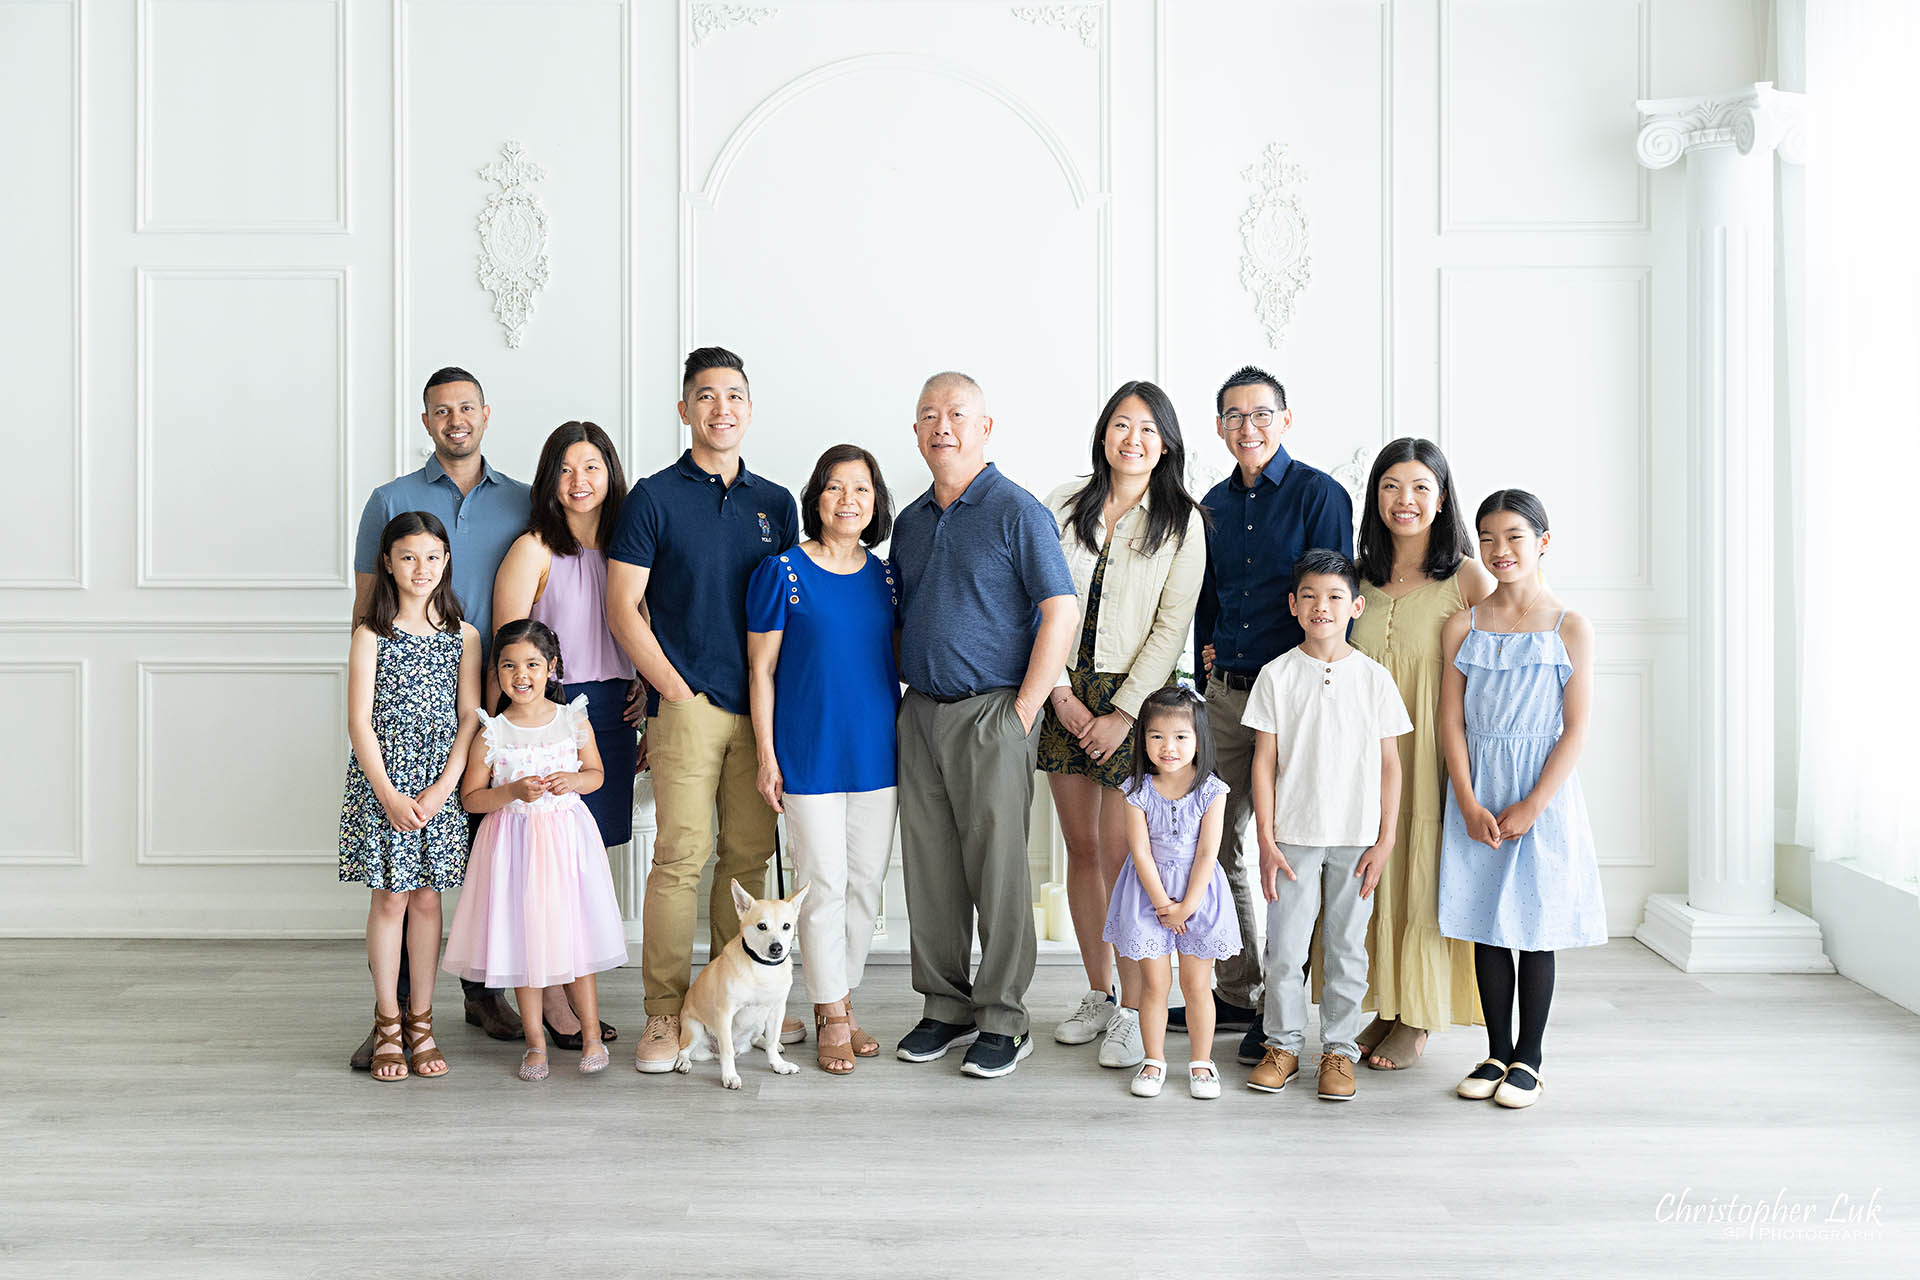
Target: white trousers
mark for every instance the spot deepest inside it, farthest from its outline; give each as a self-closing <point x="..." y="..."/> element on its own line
<point x="839" y="843"/>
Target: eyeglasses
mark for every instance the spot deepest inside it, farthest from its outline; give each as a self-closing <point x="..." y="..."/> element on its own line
<point x="1233" y="418"/>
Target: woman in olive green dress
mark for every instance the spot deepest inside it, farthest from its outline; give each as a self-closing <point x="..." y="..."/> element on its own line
<point x="1418" y="568"/>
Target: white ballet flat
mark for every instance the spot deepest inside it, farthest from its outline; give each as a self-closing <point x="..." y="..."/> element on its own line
<point x="1148" y="1086"/>
<point x="1480" y="1090"/>
<point x="1203" y="1086"/>
<point x="1509" y="1096"/>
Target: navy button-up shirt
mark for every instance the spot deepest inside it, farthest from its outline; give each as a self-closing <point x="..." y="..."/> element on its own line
<point x="701" y="540"/>
<point x="1257" y="535"/>
<point x="972" y="576"/>
<point x="482" y="524"/>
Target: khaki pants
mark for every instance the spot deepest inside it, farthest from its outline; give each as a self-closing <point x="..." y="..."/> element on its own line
<point x="701" y="757"/>
<point x="966" y="797"/>
<point x="1238" y="979"/>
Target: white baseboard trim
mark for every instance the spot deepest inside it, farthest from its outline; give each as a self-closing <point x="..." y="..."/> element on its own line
<point x="1783" y="941"/>
<point x="1872" y="929"/>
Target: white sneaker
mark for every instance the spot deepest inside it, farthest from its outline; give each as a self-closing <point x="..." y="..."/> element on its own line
<point x="1122" y="1047"/>
<point x="1088" y="1021"/>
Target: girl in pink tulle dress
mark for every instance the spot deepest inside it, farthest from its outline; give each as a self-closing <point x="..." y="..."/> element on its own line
<point x="538" y="908"/>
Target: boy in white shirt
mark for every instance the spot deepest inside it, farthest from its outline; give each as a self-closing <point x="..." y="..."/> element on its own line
<point x="1326" y="795"/>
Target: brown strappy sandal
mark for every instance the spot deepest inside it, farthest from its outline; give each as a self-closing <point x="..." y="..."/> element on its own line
<point x="864" y="1045"/>
<point x="824" y="1052"/>
<point x="386" y="1032"/>
<point x="419" y="1026"/>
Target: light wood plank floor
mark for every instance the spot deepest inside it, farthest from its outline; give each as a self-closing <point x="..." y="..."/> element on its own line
<point x="184" y="1108"/>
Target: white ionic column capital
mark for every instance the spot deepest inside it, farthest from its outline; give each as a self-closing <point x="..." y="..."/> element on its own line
<point x="1759" y="117"/>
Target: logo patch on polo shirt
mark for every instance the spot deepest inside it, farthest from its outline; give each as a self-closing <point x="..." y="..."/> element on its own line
<point x="766" y="530"/>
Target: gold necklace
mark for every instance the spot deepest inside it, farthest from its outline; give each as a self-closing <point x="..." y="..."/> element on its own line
<point x="1500" y="645"/>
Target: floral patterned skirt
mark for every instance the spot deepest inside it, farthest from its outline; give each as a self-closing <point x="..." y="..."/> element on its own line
<point x="1060" y="751"/>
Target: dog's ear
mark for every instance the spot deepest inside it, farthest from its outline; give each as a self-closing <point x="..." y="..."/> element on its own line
<point x="797" y="898"/>
<point x="742" y="900"/>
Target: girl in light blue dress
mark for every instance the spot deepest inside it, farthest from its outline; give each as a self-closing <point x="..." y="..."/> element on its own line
<point x="1517" y="865"/>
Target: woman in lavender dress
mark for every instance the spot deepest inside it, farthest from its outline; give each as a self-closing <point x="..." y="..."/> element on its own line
<point x="1171" y="894"/>
<point x="556" y="573"/>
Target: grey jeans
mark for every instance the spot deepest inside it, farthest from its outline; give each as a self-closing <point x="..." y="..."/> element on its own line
<point x="1327" y="890"/>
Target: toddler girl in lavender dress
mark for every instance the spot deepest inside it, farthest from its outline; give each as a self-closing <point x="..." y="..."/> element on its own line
<point x="1172" y="895"/>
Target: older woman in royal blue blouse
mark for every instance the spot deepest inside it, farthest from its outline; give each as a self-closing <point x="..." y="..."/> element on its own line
<point x="823" y="691"/>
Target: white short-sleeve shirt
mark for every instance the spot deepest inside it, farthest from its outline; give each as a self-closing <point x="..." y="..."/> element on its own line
<point x="1327" y="719"/>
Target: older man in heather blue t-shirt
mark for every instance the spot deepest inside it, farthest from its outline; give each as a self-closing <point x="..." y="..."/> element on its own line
<point x="987" y="618"/>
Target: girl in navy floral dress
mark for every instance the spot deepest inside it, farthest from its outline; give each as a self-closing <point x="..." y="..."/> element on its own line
<point x="413" y="684"/>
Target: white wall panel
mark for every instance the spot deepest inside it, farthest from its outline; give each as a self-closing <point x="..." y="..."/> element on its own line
<point x="1316" y="78"/>
<point x="41" y="326"/>
<point x="1544" y="385"/>
<point x="242" y="428"/>
<point x="1537" y="116"/>
<point x="240" y="762"/>
<point x="469" y="79"/>
<point x="47" y="706"/>
<point x="875" y="192"/>
<point x="243" y="115"/>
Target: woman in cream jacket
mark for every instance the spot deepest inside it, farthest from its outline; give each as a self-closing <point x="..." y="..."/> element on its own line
<point x="1135" y="540"/>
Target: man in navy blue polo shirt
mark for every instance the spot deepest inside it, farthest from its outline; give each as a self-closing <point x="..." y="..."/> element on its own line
<point x="1269" y="512"/>
<point x="988" y="616"/>
<point x="689" y="537"/>
<point x="484" y="511"/>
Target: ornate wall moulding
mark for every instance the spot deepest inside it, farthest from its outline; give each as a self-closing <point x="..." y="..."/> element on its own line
<point x="1352" y="475"/>
<point x="707" y="19"/>
<point x="513" y="240"/>
<point x="1275" y="265"/>
<point x="1082" y="20"/>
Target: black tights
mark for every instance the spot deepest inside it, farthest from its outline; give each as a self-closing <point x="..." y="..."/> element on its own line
<point x="1495" y="971"/>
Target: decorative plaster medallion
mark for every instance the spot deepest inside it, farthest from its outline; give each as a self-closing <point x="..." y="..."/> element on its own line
<point x="1082" y="20"/>
<point x="1275" y="265"/>
<point x="513" y="240"/>
<point x="710" y="18"/>
<point x="1352" y="475"/>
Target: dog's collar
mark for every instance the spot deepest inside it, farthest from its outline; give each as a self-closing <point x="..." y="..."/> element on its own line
<point x="755" y="956"/>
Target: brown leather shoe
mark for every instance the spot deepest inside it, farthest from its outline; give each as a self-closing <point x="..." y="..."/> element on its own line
<point x="1336" y="1078"/>
<point x="1274" y="1071"/>
<point x="490" y="1013"/>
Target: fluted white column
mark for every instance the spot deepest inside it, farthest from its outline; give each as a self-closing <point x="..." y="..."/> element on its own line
<point x="1728" y="920"/>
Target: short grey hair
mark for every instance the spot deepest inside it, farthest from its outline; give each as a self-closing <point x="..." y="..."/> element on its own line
<point x="947" y="378"/>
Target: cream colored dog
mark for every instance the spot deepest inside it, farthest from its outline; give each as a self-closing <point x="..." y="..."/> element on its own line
<point x="741" y="996"/>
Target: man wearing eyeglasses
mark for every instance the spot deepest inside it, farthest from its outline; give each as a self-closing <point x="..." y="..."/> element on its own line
<point x="1269" y="512"/>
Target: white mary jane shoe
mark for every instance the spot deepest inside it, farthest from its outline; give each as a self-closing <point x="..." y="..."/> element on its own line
<point x="1203" y="1086"/>
<point x="1478" y="1088"/>
<point x="1148" y="1086"/>
<point x="1507" y="1095"/>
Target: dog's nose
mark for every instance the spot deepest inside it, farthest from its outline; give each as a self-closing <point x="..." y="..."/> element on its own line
<point x="776" y="950"/>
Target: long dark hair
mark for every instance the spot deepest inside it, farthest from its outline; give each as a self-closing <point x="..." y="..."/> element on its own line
<point x="541" y="637"/>
<point x="1518" y="501"/>
<point x="1169" y="506"/>
<point x="1447" y="539"/>
<point x="882" y="522"/>
<point x="548" y="519"/>
<point x="443" y="606"/>
<point x="1173" y="700"/>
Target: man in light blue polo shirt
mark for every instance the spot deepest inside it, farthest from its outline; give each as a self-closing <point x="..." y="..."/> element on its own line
<point x="988" y="616"/>
<point x="484" y="511"/>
